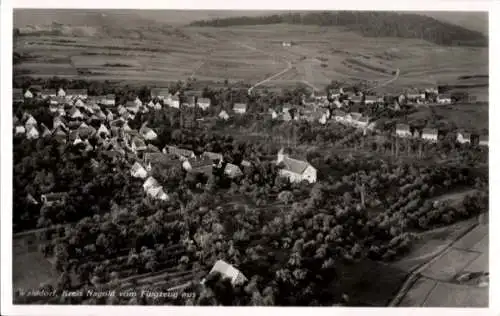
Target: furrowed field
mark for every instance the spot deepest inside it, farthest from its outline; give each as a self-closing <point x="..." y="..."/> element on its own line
<point x="318" y="56"/>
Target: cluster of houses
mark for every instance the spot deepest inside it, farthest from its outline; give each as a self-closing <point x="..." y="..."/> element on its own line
<point x="432" y="135"/>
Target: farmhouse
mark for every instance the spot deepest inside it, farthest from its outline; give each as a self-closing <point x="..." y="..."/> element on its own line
<point x="138" y="171"/>
<point x="336" y="93"/>
<point x="174" y="102"/>
<point x="53" y="198"/>
<point x="179" y="152"/>
<point x="430" y="134"/>
<point x="403" y="130"/>
<point x="223" y="115"/>
<point x="370" y="99"/>
<point x="17" y="95"/>
<point x="147" y="133"/>
<point x="443" y="99"/>
<point x="483" y="140"/>
<point x="75" y="114"/>
<point x="109" y="99"/>
<point x="295" y="170"/>
<point x="232" y="171"/>
<point x="356" y="99"/>
<point x="339" y="116"/>
<point x="227" y="271"/>
<point x="19" y="130"/>
<point x="28" y="94"/>
<point x="30" y="122"/>
<point x="204" y="103"/>
<point x="75" y="93"/>
<point x="240" y="108"/>
<point x="160" y="93"/>
<point x="463" y="138"/>
<point x="45" y="94"/>
<point x="215" y="157"/>
<point x="203" y="165"/>
<point x="32" y="133"/>
<point x="137" y="144"/>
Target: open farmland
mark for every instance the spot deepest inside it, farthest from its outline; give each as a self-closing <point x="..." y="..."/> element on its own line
<point x="251" y="53"/>
<point x="438" y="284"/>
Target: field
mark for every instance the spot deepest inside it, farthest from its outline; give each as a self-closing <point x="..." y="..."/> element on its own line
<point x="318" y="56"/>
<point x="29" y="267"/>
<point x="437" y="284"/>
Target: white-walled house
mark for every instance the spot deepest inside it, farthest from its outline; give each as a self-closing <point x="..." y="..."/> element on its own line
<point x="463" y="138"/>
<point x="32" y="133"/>
<point x="223" y="115"/>
<point x="443" y="99"/>
<point x="138" y="171"/>
<point x="227" y="271"/>
<point x="175" y="102"/>
<point x="240" y="108"/>
<point x="430" y="134"/>
<point x="28" y="94"/>
<point x="403" y="130"/>
<point x="203" y="103"/>
<point x="296" y="170"/>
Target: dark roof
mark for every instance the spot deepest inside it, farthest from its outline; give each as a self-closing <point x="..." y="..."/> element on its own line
<point x="402" y="126"/>
<point x="179" y="151"/>
<point x="200" y="163"/>
<point x="156" y="92"/>
<point x="159" y="158"/>
<point x="295" y="165"/>
<point x="429" y="131"/>
<point x="76" y="91"/>
<point x="204" y="100"/>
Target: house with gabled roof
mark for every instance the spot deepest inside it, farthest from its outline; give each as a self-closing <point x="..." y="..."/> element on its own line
<point x="28" y="94"/>
<point x="463" y="138"/>
<point x="137" y="144"/>
<point x="223" y="115"/>
<point x="215" y="157"/>
<point x="76" y="93"/>
<point x="240" y="108"/>
<point x="147" y="133"/>
<point x="86" y="131"/>
<point x="294" y="169"/>
<point x="103" y="131"/>
<point x="403" y="130"/>
<point x="75" y="114"/>
<point x="30" y="122"/>
<point x="52" y="198"/>
<point x="335" y="93"/>
<point x="483" y="140"/>
<point x="203" y="165"/>
<point x="370" y="99"/>
<point x="227" y="271"/>
<point x="19" y="130"/>
<point x="356" y="99"/>
<point x="47" y="93"/>
<point x="430" y="134"/>
<point x="203" y="103"/>
<point x="232" y="171"/>
<point x="138" y="171"/>
<point x="158" y="158"/>
<point x="179" y="152"/>
<point x="109" y="99"/>
<point x="32" y="132"/>
<point x="443" y="98"/>
<point x="150" y="183"/>
<point x="174" y="102"/>
<point x="158" y="193"/>
<point x="160" y="93"/>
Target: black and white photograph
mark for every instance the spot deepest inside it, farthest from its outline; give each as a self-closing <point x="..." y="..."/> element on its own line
<point x="278" y="158"/>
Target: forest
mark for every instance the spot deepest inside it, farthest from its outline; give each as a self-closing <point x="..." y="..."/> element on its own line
<point x="370" y="24"/>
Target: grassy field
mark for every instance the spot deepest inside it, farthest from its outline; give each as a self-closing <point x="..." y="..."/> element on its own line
<point x="318" y="56"/>
<point x="437" y="285"/>
<point x="29" y="267"/>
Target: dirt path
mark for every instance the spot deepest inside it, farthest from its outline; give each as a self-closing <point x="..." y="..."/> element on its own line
<point x="385" y="83"/>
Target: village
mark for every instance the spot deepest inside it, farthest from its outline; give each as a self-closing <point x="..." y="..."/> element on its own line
<point x="100" y="123"/>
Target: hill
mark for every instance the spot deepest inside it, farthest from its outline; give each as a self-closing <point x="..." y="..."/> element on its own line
<point x="476" y="21"/>
<point x="369" y="24"/>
